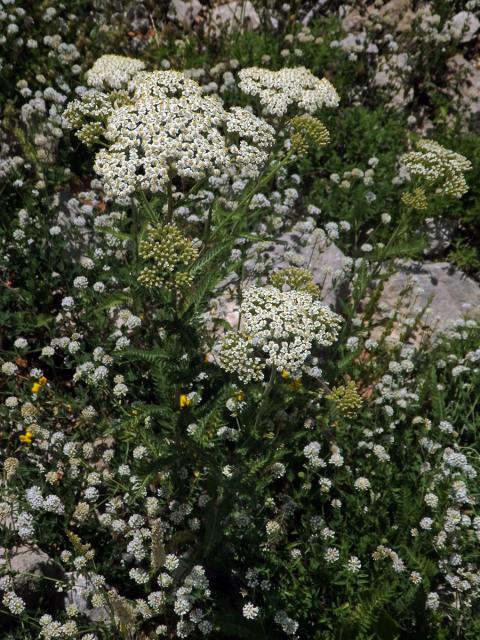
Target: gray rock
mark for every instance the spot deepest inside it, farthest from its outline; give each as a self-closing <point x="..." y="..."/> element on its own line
<point x="393" y="12"/>
<point x="439" y="233"/>
<point x="448" y="293"/>
<point x="34" y="574"/>
<point x="464" y="77"/>
<point x="234" y="15"/>
<point x="313" y="252"/>
<point x="464" y="25"/>
<point x="78" y="593"/>
<point x="185" y="11"/>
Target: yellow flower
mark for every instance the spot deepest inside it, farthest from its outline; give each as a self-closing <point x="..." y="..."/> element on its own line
<point x="42" y="381"/>
<point x="26" y="438"/>
<point x="295" y="383"/>
<point x="35" y="387"/>
<point x="184" y="400"/>
<point x="239" y="396"/>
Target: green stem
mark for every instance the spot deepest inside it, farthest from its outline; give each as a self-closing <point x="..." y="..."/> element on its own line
<point x="245" y="201"/>
<point x="265" y="395"/>
<point x="169" y="202"/>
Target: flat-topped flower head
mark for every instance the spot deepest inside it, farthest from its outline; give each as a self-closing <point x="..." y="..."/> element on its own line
<point x="164" y="84"/>
<point x="170" y="129"/>
<point x="438" y="167"/>
<point x="290" y="88"/>
<point x="113" y="72"/>
<point x="279" y="329"/>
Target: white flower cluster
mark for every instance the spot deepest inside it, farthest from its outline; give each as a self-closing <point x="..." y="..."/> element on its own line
<point x="438" y="166"/>
<point x="172" y="129"/>
<point x="282" y="326"/>
<point x="113" y="72"/>
<point x="290" y="87"/>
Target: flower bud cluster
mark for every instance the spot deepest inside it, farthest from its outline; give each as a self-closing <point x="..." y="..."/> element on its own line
<point x="170" y="255"/>
<point x="295" y="278"/>
<point x="307" y="132"/>
<point x="346" y="399"/>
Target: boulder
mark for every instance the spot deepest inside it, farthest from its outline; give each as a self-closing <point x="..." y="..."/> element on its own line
<point x="438" y="233"/>
<point x="393" y="14"/>
<point x="234" y="15"/>
<point x="185" y="11"/>
<point x="34" y="575"/>
<point x="448" y="293"/>
<point x="464" y="25"/>
<point x="464" y="75"/>
<point x="78" y="593"/>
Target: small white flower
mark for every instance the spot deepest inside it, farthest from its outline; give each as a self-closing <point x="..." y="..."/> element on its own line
<point x="331" y="555"/>
<point x="354" y="565"/>
<point x="68" y="302"/>
<point x="250" y="611"/>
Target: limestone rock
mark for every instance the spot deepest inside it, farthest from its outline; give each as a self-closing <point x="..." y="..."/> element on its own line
<point x="393" y="13"/>
<point x="185" y="11"/>
<point x="466" y="75"/>
<point x="439" y="234"/>
<point x="353" y="21"/>
<point x="449" y="294"/>
<point x="78" y="595"/>
<point x="464" y="25"/>
<point x="34" y="574"/>
<point x="233" y="15"/>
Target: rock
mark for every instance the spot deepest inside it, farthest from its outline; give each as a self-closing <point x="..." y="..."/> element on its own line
<point x="78" y="595"/>
<point x="233" y="15"/>
<point x="309" y="250"/>
<point x="449" y="294"/>
<point x="34" y="574"/>
<point x="393" y="13"/>
<point x="439" y="234"/>
<point x="139" y="18"/>
<point x="353" y="21"/>
<point x="312" y="13"/>
<point x="465" y="75"/>
<point x="464" y="25"/>
<point x="313" y="252"/>
<point x="186" y="11"/>
<point x="388" y="76"/>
